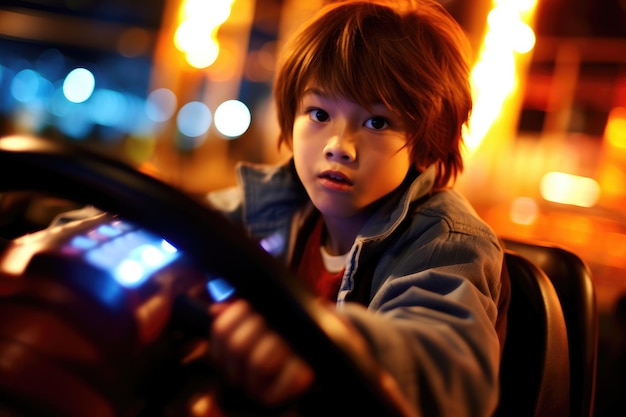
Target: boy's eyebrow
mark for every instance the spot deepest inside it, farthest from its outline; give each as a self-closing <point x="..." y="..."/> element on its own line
<point x="316" y="91"/>
<point x="313" y="90"/>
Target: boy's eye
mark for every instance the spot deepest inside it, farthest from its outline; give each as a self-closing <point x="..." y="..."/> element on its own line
<point x="318" y="115"/>
<point x="377" y="123"/>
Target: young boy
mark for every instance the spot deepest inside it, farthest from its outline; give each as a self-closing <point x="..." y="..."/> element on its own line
<point x="371" y="99"/>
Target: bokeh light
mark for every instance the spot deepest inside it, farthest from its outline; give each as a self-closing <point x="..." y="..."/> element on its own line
<point x="24" y="85"/>
<point x="615" y="131"/>
<point x="563" y="188"/>
<point x="108" y="108"/>
<point x="196" y="34"/>
<point x="524" y="211"/>
<point x="79" y="85"/>
<point x="232" y="118"/>
<point x="161" y="105"/>
<point x="28" y="86"/>
<point x="194" y="119"/>
<point x="76" y="123"/>
<point x="133" y="42"/>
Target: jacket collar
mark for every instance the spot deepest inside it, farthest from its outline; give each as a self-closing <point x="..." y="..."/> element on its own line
<point x="264" y="185"/>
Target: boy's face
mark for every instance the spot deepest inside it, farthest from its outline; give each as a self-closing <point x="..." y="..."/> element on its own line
<point x="346" y="156"/>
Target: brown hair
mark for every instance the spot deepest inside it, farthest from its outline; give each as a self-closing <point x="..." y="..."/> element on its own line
<point x="410" y="55"/>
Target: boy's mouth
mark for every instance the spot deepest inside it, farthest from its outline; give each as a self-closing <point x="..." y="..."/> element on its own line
<point x="335" y="176"/>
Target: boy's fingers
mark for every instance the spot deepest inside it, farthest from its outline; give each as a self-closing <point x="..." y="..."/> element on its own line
<point x="294" y="379"/>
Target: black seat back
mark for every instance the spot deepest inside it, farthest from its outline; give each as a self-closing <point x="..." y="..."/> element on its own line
<point x="534" y="374"/>
<point x="573" y="283"/>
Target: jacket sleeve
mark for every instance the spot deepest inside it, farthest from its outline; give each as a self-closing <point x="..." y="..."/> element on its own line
<point x="431" y="322"/>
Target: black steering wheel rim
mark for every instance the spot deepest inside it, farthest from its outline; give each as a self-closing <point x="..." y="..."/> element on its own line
<point x="75" y="172"/>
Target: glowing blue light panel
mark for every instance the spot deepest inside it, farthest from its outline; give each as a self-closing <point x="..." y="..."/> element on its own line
<point x="220" y="289"/>
<point x="128" y="255"/>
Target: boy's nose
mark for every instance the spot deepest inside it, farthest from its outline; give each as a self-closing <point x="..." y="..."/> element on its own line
<point x="341" y="149"/>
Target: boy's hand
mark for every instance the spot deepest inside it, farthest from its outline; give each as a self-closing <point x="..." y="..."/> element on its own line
<point x="255" y="357"/>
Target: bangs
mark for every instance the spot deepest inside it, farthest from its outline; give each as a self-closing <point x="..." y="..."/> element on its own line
<point x="356" y="61"/>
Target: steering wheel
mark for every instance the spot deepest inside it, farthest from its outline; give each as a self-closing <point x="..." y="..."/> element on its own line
<point x="72" y="171"/>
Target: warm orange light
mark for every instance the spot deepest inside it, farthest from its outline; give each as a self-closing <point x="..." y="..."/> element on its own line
<point x="612" y="177"/>
<point x="615" y="131"/>
<point x="524" y="210"/>
<point x="196" y="34"/>
<point x="494" y="76"/>
<point x="562" y="188"/>
<point x="615" y="248"/>
<point x="204" y="406"/>
<point x="577" y="230"/>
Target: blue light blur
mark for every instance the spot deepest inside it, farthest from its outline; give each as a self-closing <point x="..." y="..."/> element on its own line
<point x="220" y="289"/>
<point x="108" y="108"/>
<point x="83" y="242"/>
<point x="75" y="123"/>
<point x="129" y="257"/>
<point x="25" y="85"/>
<point x="273" y="244"/>
<point x="108" y="230"/>
<point x="141" y="263"/>
<point x="59" y="106"/>
<point x="194" y="119"/>
<point x="102" y="96"/>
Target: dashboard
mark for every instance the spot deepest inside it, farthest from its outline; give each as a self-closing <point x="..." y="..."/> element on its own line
<point x="99" y="308"/>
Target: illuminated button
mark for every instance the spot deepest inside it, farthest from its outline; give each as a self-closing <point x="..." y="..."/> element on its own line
<point x="131" y="257"/>
<point x="129" y="273"/>
<point x="273" y="244"/>
<point x="108" y="230"/>
<point x="168" y="247"/>
<point x="82" y="242"/>
<point x="151" y="255"/>
<point x="220" y="289"/>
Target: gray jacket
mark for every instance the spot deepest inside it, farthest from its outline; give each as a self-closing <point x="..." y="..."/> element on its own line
<point x="431" y="309"/>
